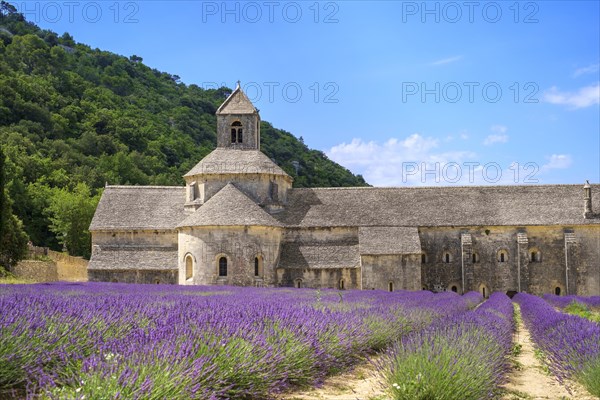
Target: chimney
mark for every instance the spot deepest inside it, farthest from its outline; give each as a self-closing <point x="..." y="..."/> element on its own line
<point x="587" y="196"/>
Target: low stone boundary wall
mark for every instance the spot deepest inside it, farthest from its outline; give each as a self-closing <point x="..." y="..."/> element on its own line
<point x="53" y="266"/>
<point x="69" y="268"/>
<point x="38" y="271"/>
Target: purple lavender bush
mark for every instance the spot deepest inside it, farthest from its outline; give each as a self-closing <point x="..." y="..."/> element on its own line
<point x="463" y="356"/>
<point x="570" y="344"/>
<point x="564" y="301"/>
<point x="159" y="341"/>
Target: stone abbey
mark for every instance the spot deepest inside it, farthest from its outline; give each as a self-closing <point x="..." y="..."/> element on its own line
<point x="239" y="221"/>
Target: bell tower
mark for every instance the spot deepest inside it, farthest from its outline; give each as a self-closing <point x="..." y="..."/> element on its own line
<point x="238" y="123"/>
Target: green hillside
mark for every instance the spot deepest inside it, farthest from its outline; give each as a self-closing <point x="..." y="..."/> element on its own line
<point x="73" y="118"/>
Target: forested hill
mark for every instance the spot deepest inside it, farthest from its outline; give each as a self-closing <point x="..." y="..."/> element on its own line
<point x="73" y="118"/>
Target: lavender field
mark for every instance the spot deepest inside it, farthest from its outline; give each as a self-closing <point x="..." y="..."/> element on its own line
<point x="570" y="344"/>
<point x="175" y="342"/>
<point x="118" y="341"/>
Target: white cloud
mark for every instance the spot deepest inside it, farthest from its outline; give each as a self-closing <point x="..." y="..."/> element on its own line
<point x="584" y="97"/>
<point x="417" y="160"/>
<point x="590" y="69"/>
<point x="498" y="137"/>
<point x="558" y="161"/>
<point x="491" y="139"/>
<point x="444" y="61"/>
<point x="499" y="128"/>
<point x="401" y="162"/>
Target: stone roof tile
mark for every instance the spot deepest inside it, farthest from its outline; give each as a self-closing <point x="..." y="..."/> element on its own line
<point x="139" y="207"/>
<point x="295" y="255"/>
<point x="229" y="207"/>
<point x="134" y="257"/>
<point x="384" y="240"/>
<point x="235" y="161"/>
<point x="439" y="206"/>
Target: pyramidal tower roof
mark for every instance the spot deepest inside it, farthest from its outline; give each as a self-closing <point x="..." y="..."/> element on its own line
<point x="230" y="161"/>
<point x="218" y="210"/>
<point x="237" y="103"/>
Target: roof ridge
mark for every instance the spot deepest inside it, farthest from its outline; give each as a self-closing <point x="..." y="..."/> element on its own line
<point x="550" y="185"/>
<point x="143" y="187"/>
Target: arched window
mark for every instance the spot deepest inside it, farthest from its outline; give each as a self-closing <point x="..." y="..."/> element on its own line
<point x="341" y="285"/>
<point x="258" y="266"/>
<point x="535" y="256"/>
<point x="391" y="286"/>
<point x="502" y="256"/>
<point x="475" y="258"/>
<point x="298" y="283"/>
<point x="454" y="289"/>
<point x="157" y="281"/>
<point x="423" y="258"/>
<point x="223" y="266"/>
<point x="189" y="267"/>
<point x="557" y="291"/>
<point x="484" y="291"/>
<point x="447" y="258"/>
<point x="236" y="132"/>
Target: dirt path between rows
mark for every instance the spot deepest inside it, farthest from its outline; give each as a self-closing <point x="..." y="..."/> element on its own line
<point x="529" y="379"/>
<point x="359" y="384"/>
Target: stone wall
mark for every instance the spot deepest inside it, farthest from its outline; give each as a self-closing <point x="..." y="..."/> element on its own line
<point x="332" y="260"/>
<point x="44" y="265"/>
<point x="448" y="259"/>
<point x="586" y="262"/>
<point x="140" y="256"/>
<point x="251" y="131"/>
<point x="205" y="246"/>
<point x="134" y="276"/>
<point x="395" y="272"/>
<point x="69" y="268"/>
<point x="316" y="278"/>
<point x="259" y="187"/>
<point x="37" y="271"/>
<point x="135" y="238"/>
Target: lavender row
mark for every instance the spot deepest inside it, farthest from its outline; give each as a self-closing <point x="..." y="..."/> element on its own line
<point x="153" y="341"/>
<point x="564" y="301"/>
<point x="464" y="356"/>
<point x="570" y="344"/>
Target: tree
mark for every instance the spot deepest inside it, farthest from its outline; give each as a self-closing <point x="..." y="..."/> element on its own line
<point x="70" y="214"/>
<point x="7" y="9"/>
<point x="2" y="193"/>
<point x="13" y="240"/>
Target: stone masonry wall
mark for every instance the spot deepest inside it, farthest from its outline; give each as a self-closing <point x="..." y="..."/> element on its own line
<point x="69" y="268"/>
<point x="403" y="271"/>
<point x="546" y="273"/>
<point x="239" y="245"/>
<point x="332" y="270"/>
<point x="134" y="276"/>
<point x="37" y="271"/>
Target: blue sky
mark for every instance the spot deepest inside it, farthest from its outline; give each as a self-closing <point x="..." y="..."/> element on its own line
<point x="405" y="93"/>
